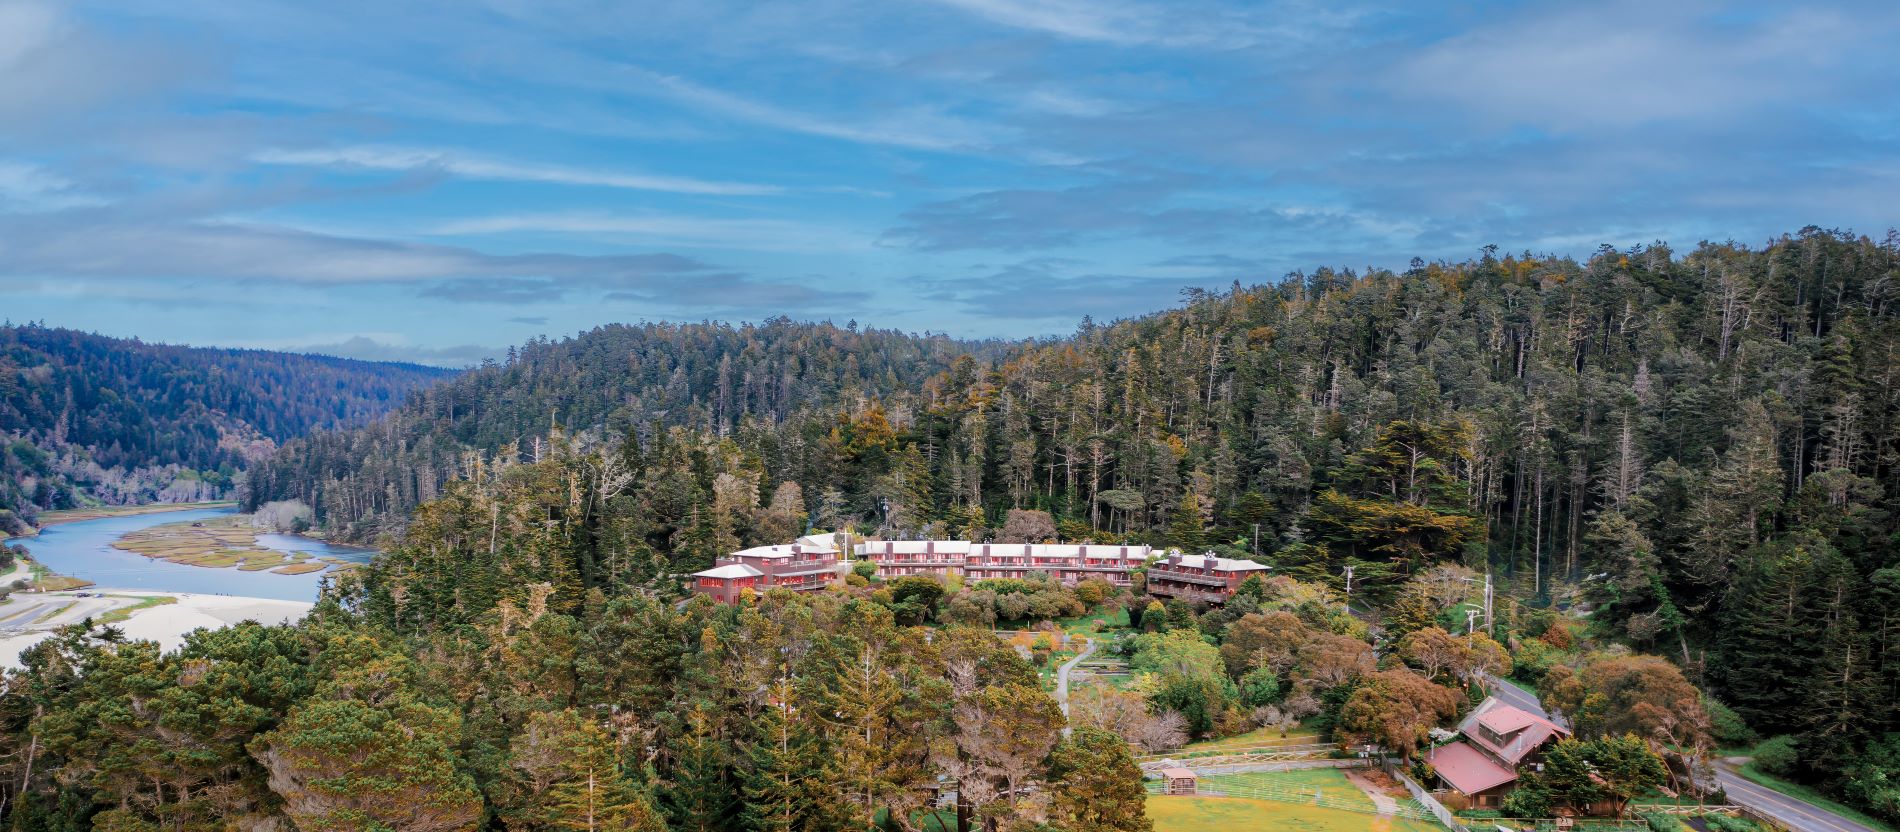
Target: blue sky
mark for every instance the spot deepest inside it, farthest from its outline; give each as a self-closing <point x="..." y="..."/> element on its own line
<point x="434" y="181"/>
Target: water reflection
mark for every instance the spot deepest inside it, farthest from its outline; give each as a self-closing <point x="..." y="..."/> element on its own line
<point x="84" y="550"/>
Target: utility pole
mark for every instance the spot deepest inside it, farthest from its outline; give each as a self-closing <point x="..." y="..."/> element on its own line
<point x="1490" y="625"/>
<point x="1256" y="540"/>
<point x="1349" y="585"/>
<point x="1471" y="619"/>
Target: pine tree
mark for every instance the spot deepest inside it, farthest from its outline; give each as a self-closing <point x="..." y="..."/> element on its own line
<point x="1095" y="785"/>
<point x="697" y="793"/>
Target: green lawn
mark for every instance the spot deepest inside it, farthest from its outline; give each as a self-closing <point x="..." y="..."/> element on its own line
<point x="1328" y="782"/>
<point x="1228" y="814"/>
<point x="942" y="820"/>
<point x="1095" y="623"/>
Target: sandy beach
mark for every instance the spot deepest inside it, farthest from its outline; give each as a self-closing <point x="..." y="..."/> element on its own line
<point x="39" y="613"/>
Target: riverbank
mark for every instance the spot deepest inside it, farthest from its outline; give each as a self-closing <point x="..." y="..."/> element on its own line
<point x="148" y="615"/>
<point x="87" y="551"/>
<point x="221" y="542"/>
<point x="75" y="515"/>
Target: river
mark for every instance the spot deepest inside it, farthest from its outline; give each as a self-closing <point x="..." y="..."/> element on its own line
<point x="84" y="550"/>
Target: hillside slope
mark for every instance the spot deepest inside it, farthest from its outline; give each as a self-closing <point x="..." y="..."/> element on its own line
<point x="1701" y="447"/>
<point x="710" y="377"/>
<point x="87" y="418"/>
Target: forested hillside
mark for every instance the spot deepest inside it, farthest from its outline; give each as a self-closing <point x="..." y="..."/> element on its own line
<point x="88" y="418"/>
<point x="1699" y="445"/>
<point x="486" y="674"/>
<point x="713" y="378"/>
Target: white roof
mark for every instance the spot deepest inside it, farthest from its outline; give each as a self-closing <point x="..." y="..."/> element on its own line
<point x="1038" y="550"/>
<point x="826" y="542"/>
<point x="782" y="550"/>
<point x="730" y="570"/>
<point x="915" y="547"/>
<point x="1221" y="564"/>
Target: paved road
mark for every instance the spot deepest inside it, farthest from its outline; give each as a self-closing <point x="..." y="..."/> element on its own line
<point x="1798" y="815"/>
<point x="39" y="611"/>
<point x="1062" y="678"/>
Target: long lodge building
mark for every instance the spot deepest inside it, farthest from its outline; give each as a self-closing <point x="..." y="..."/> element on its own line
<point x="1069" y="563"/>
<point x="812" y="563"/>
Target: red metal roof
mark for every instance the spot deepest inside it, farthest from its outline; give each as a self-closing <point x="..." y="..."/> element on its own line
<point x="1519" y="731"/>
<point x="1467" y="769"/>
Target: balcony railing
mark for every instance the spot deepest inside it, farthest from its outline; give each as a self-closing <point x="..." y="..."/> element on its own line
<point x="1168" y="575"/>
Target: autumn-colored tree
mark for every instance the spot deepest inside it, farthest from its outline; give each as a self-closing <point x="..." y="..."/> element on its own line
<point x="1641" y="695"/>
<point x="1271" y="640"/>
<point x="1027" y="526"/>
<point x="1396" y="709"/>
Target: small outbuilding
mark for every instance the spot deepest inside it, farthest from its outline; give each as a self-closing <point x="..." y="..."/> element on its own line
<point x="1179" y="780"/>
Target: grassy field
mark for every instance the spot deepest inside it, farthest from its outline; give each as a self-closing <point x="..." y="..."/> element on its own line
<point x="1329" y="782"/>
<point x="216" y="543"/>
<point x="45" y="580"/>
<point x="1259" y="736"/>
<point x="1227" y="814"/>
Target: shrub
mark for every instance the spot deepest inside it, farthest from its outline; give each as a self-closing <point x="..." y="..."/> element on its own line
<point x="1778" y="755"/>
<point x="1726" y="725"/>
<point x="1533" y="660"/>
<point x="1042" y="648"/>
<point x="1659" y="822"/>
<point x="1725" y="823"/>
<point x="1260" y="687"/>
<point x="1530" y="800"/>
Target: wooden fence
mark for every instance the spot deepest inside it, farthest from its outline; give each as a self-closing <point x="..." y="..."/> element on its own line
<point x="1424" y="797"/>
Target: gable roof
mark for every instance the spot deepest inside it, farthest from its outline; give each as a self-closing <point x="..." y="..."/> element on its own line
<point x="1521" y="731"/>
<point x="729" y="571"/>
<point x="1218" y="564"/>
<point x="781" y="551"/>
<point x="1467" y="769"/>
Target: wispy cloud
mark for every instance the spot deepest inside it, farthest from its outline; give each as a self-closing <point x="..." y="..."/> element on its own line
<point x="1172" y="208"/>
<point x="1587" y="70"/>
<point x="43" y="246"/>
<point x="30" y="187"/>
<point x="916" y="127"/>
<point x="476" y="166"/>
<point x="669" y="230"/>
<point x="375" y="346"/>
<point x="51" y="67"/>
<point x="1069" y="18"/>
<point x="1051" y="290"/>
<point x="1128" y="23"/>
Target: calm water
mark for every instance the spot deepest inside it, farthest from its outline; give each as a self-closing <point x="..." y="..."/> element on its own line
<point x="84" y="550"/>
